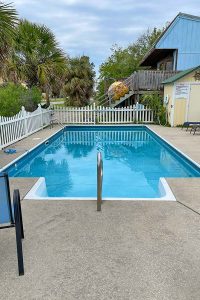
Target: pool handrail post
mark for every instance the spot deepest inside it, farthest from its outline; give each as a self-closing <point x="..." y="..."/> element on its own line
<point x="99" y="180"/>
<point x="19" y="231"/>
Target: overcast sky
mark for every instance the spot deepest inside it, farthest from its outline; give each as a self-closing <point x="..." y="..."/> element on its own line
<point x="91" y="27"/>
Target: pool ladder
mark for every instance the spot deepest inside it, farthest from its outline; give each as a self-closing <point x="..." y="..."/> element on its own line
<point x="99" y="180"/>
<point x="52" y="122"/>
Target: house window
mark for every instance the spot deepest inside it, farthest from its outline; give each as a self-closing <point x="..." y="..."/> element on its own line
<point x="169" y="66"/>
<point x="166" y="64"/>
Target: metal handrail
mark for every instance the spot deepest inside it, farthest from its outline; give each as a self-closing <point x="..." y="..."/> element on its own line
<point x="58" y="122"/>
<point x="99" y="180"/>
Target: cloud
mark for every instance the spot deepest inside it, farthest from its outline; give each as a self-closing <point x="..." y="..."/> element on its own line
<point x="91" y="27"/>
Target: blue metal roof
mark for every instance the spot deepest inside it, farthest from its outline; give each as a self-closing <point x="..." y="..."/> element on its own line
<point x="182" y="34"/>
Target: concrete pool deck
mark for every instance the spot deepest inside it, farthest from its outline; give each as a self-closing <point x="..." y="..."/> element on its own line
<point x="130" y="250"/>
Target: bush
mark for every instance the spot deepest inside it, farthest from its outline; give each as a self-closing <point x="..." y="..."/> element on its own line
<point x="14" y="96"/>
<point x="31" y="98"/>
<point x="155" y="102"/>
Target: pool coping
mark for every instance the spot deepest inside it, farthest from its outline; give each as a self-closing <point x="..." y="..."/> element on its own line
<point x="163" y="185"/>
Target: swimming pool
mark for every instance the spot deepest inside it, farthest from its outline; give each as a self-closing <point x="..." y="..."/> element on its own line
<point x="134" y="160"/>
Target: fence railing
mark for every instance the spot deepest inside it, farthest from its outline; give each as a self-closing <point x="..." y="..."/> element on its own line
<point x="104" y="115"/>
<point x="13" y="129"/>
<point x="149" y="80"/>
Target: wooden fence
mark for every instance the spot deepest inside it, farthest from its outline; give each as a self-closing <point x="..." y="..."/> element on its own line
<point x="103" y="115"/>
<point x="13" y="129"/>
<point x="148" y="80"/>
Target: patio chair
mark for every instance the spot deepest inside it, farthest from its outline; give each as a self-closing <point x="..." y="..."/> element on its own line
<point x="194" y="128"/>
<point x="11" y="216"/>
<point x="188" y="124"/>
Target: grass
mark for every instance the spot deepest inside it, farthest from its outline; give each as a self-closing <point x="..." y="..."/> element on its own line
<point x="59" y="105"/>
<point x="57" y="99"/>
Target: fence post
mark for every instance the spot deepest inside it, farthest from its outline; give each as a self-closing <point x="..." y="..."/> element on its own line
<point x="94" y="113"/>
<point x="24" y="114"/>
<point x="136" y="115"/>
<point x="41" y="116"/>
<point x="1" y="135"/>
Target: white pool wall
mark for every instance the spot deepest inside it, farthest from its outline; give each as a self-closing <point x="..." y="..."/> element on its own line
<point x="39" y="192"/>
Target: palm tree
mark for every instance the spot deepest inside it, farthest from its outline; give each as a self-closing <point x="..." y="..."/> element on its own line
<point x="36" y="56"/>
<point x="79" y="81"/>
<point x="8" y="21"/>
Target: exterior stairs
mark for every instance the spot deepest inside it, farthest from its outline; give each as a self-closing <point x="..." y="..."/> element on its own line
<point x="122" y="99"/>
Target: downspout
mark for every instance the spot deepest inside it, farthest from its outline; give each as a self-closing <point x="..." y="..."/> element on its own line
<point x="173" y="105"/>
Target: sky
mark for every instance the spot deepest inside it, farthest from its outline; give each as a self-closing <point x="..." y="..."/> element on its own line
<point x="91" y="27"/>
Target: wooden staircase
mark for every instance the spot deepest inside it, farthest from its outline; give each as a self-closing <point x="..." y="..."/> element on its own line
<point x="122" y="99"/>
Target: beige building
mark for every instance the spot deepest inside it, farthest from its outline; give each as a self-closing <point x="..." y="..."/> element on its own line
<point x="182" y="97"/>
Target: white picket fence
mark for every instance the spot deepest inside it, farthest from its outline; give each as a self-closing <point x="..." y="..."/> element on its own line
<point x="13" y="129"/>
<point x="103" y="115"/>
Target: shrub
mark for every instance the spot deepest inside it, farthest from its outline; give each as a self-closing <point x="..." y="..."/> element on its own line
<point x="31" y="98"/>
<point x="14" y="96"/>
<point x="155" y="102"/>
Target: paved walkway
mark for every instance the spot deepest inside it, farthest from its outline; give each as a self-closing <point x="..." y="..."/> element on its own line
<point x="130" y="250"/>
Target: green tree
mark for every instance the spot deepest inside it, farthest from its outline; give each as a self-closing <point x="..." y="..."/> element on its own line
<point x="36" y="56"/>
<point x="124" y="61"/>
<point x="8" y="21"/>
<point x="14" y="96"/>
<point x="79" y="84"/>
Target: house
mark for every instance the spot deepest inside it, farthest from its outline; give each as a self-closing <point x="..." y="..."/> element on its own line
<point x="181" y="96"/>
<point x="178" y="47"/>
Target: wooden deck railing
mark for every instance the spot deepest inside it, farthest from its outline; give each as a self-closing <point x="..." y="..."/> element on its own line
<point x="139" y="82"/>
<point x="148" y="80"/>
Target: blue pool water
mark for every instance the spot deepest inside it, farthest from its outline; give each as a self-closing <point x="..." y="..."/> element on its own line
<point x="134" y="159"/>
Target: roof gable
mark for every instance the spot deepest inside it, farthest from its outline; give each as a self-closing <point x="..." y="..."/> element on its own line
<point x="181" y="16"/>
<point x="182" y="34"/>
